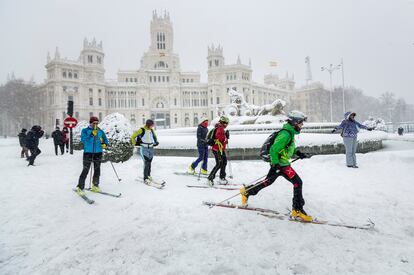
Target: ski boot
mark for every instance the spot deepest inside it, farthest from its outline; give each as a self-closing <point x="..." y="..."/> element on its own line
<point x="203" y="172"/>
<point x="95" y="188"/>
<point x="223" y="182"/>
<point x="301" y="215"/>
<point x="244" y="196"/>
<point x="80" y="191"/>
<point x="190" y="169"/>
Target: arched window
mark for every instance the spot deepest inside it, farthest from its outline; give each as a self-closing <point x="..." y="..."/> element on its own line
<point x="160" y="105"/>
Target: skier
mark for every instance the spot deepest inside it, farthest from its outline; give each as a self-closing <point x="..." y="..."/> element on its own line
<point x="65" y="133"/>
<point x="281" y="151"/>
<point x="58" y="140"/>
<point x="147" y="139"/>
<point x="202" y="148"/>
<point x="22" y="141"/>
<point x="94" y="141"/>
<point x="219" y="150"/>
<point x="32" y="143"/>
<point x="349" y="134"/>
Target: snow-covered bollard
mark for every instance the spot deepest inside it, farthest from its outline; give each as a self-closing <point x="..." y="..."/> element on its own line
<point x="118" y="130"/>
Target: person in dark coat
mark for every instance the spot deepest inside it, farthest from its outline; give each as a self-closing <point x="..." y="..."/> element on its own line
<point x="65" y="133"/>
<point x="32" y="143"/>
<point x="202" y="148"/>
<point x="22" y="141"/>
<point x="58" y="141"/>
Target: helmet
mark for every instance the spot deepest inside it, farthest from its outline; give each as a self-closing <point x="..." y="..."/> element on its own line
<point x="224" y="119"/>
<point x="296" y="117"/>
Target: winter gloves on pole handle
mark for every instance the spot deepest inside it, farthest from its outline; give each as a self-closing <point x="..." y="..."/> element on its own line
<point x="303" y="155"/>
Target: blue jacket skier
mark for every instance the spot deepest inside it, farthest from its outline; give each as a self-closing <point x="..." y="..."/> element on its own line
<point x="94" y="141"/>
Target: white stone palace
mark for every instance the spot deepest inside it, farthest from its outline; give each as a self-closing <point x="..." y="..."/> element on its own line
<point x="160" y="89"/>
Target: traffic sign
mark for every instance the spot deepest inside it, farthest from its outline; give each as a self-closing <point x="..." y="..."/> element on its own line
<point x="70" y="122"/>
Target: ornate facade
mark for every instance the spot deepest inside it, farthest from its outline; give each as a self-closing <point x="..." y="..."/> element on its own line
<point x="159" y="89"/>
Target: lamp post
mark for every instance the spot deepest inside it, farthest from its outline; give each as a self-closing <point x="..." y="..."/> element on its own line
<point x="330" y="69"/>
<point x="343" y="86"/>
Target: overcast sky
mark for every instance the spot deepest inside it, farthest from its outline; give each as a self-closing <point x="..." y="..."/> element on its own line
<point x="374" y="38"/>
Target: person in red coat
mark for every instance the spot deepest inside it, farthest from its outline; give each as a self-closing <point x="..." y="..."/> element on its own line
<point x="65" y="133"/>
<point x="221" y="137"/>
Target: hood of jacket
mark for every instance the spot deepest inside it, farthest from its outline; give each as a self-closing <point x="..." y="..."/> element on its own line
<point x="348" y="114"/>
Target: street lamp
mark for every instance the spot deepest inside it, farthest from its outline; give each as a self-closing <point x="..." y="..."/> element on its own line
<point x="330" y="69"/>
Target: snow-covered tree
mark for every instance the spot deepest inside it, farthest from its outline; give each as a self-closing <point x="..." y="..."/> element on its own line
<point x="77" y="144"/>
<point x="375" y="123"/>
<point x="118" y="130"/>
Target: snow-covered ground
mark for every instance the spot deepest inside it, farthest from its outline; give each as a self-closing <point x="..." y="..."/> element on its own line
<point x="45" y="228"/>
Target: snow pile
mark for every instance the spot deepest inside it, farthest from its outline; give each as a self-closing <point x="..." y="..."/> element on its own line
<point x="251" y="140"/>
<point x="118" y="130"/>
<point x="377" y="124"/>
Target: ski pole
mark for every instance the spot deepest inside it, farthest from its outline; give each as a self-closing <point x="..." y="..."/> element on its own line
<point x="116" y="174"/>
<point x="229" y="161"/>
<point x="251" y="187"/>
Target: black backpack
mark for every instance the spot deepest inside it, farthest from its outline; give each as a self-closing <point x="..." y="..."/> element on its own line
<point x="265" y="149"/>
<point x="211" y="137"/>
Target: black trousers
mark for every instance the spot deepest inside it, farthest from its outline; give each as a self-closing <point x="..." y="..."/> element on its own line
<point x="34" y="152"/>
<point x="62" y="149"/>
<point x="88" y="158"/>
<point x="221" y="163"/>
<point x="66" y="144"/>
<point x="289" y="174"/>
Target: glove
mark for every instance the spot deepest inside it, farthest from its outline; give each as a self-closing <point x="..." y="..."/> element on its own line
<point x="94" y="132"/>
<point x="302" y="155"/>
<point x="333" y="131"/>
<point x="227" y="133"/>
<point x="103" y="146"/>
<point x="156" y="144"/>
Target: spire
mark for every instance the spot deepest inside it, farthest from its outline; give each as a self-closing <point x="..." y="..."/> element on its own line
<point x="238" y="60"/>
<point x="85" y="43"/>
<point x="308" y="70"/>
<point x="57" y="54"/>
<point x="250" y="62"/>
<point x="48" y="57"/>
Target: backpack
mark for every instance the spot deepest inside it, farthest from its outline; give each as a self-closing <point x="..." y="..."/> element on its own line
<point x="211" y="137"/>
<point x="138" y="139"/>
<point x="265" y="149"/>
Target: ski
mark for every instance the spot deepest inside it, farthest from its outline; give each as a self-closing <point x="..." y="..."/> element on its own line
<point x="213" y="187"/>
<point x="105" y="193"/>
<point x="84" y="197"/>
<point x="189" y="174"/>
<point x="159" y="185"/>
<point x="284" y="216"/>
<point x="368" y="226"/>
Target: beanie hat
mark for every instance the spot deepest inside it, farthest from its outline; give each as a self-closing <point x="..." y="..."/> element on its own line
<point x="149" y="122"/>
<point x="24" y="130"/>
<point x="93" y="119"/>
